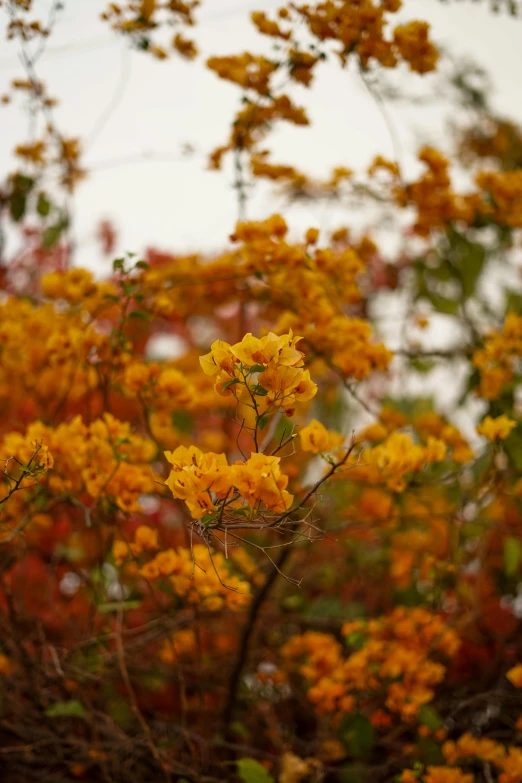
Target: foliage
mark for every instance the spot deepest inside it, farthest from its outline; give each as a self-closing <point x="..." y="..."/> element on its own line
<point x="257" y="561"/>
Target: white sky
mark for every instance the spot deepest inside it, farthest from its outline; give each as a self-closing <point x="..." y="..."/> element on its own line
<point x="172" y="202"/>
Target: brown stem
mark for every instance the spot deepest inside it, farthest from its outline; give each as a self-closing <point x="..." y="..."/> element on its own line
<point x="255" y="607"/>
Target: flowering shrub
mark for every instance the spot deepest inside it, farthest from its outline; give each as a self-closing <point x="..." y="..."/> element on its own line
<point x="265" y="558"/>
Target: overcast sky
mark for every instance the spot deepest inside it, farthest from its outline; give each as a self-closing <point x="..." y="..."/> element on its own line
<point x="135" y="114"/>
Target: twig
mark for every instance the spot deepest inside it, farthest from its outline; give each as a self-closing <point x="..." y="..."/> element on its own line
<point x="248" y="629"/>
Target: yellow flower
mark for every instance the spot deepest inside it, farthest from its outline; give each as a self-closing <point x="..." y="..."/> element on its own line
<point x="167" y="562"/>
<point x="287" y="385"/>
<point x="467" y="746"/>
<point x="435" y="450"/>
<point x="316" y="438"/>
<point x="270" y="349"/>
<point x="374" y="432"/>
<point x="145" y="538"/>
<point x="121" y="551"/>
<point x="395" y="457"/>
<point x="200" y="504"/>
<point x="312" y="235"/>
<point x="150" y="570"/>
<point x="447" y="775"/>
<point x="496" y="429"/>
<point x="184" y="46"/>
<point x="514" y="675"/>
<point x="194" y="471"/>
<point x="195" y="474"/>
<point x="260" y="478"/>
<point x="219" y="359"/>
<point x="414" y="45"/>
<point x="305" y="388"/>
<point x="511" y="766"/>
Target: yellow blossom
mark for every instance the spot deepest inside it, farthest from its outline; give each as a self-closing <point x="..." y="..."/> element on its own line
<point x="316" y="438"/>
<point x="260" y="478"/>
<point x="496" y="429"/>
<point x="514" y="675"/>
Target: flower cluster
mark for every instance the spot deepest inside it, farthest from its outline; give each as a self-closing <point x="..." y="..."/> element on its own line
<point x="101" y="461"/>
<point x="202" y="479"/>
<point x="497" y="361"/>
<point x="436" y="202"/>
<point x="269" y="368"/>
<point x="349" y="30"/>
<point x="164" y="492"/>
<point x="502" y="191"/>
<point x="398" y="652"/>
<point x="78" y="287"/>
<point x="395" y="458"/>
<point x="315" y="438"/>
<point x="303" y="287"/>
<point x="138" y="20"/>
<point x="507" y="760"/>
<point x="313" y="287"/>
<point x="496" y="429"/>
<point x="358" y="30"/>
<point x="195" y="575"/>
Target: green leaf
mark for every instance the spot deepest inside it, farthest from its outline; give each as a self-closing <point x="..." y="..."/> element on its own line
<point x="257" y="368"/>
<point x="139" y="314"/>
<point x="17" y="205"/>
<point x="356" y="640"/>
<point x="429" y="717"/>
<point x="43" y="205"/>
<point x="354" y="774"/>
<point x="293" y="603"/>
<point x="182" y="421"/>
<point x="117" y="606"/>
<point x="263" y="421"/>
<point x="513" y="301"/>
<point x="512" y="555"/>
<point x="357" y="734"/>
<point x="472" y="266"/>
<point x="251" y="771"/>
<point x="228" y="384"/>
<point x="442" y="272"/>
<point x="422" y="366"/>
<point x="409" y="597"/>
<point x="331" y="606"/>
<point x="153" y="681"/>
<point x="51" y="235"/>
<point x="120" y="712"/>
<point x="410" y="406"/>
<point x="23" y="184"/>
<point x="430" y="751"/>
<point x="442" y="304"/>
<point x="66" y="709"/>
<point x="259" y="390"/>
<point x="513" y="446"/>
<point x="240" y="729"/>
